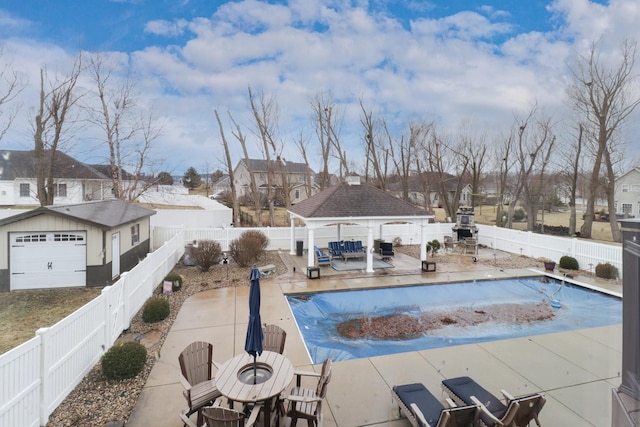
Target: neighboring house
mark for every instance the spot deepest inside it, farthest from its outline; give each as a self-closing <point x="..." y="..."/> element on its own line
<point x="296" y="178"/>
<point x="74" y="181"/>
<point x="222" y="185"/>
<point x="424" y="189"/>
<point x="86" y="244"/>
<point x="627" y="193"/>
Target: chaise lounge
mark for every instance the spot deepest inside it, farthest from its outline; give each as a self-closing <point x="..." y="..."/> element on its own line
<point x="423" y="409"/>
<point x="321" y="257"/>
<point x="518" y="411"/>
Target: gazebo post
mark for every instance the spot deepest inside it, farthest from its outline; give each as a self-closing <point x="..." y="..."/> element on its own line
<point x="292" y="236"/>
<point x="423" y="242"/>
<point x="310" y="252"/>
<point x="369" y="249"/>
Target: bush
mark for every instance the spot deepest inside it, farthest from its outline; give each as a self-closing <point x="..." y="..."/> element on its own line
<point x="176" y="279"/>
<point x="433" y="247"/>
<point x="206" y="254"/>
<point x="247" y="248"/>
<point x="568" y="263"/>
<point x="155" y="310"/>
<point x="606" y="271"/>
<point x="519" y="214"/>
<point x="124" y="360"/>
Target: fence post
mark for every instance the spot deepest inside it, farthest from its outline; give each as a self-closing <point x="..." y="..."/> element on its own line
<point x="125" y="302"/>
<point x="44" y="369"/>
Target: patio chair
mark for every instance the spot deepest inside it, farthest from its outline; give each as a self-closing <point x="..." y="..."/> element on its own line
<point x="386" y="250"/>
<point x="423" y="409"/>
<point x="471" y="245"/>
<point x="449" y="244"/>
<point x="518" y="411"/>
<point x="216" y="416"/>
<point x="321" y="257"/>
<point x="307" y="403"/>
<point x="196" y="362"/>
<point x="274" y="338"/>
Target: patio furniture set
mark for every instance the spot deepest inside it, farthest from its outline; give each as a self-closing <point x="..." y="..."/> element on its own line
<point x="214" y="397"/>
<point x="470" y="404"/>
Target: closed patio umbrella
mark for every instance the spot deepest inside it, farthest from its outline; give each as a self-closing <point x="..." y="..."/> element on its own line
<point x="253" y="342"/>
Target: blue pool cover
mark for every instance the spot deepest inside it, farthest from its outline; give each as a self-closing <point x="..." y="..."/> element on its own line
<point x="318" y="315"/>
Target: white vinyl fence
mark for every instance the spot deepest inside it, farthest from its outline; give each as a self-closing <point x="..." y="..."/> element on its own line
<point x="588" y="253"/>
<point x="37" y="376"/>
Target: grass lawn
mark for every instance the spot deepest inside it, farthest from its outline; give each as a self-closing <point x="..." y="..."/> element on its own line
<point x="24" y="312"/>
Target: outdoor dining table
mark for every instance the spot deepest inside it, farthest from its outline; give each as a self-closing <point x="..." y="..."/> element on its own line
<point x="228" y="380"/>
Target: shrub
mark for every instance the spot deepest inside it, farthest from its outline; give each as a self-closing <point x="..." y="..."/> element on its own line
<point x="248" y="247"/>
<point x="568" y="263"/>
<point x="124" y="360"/>
<point x="607" y="271"/>
<point x="519" y="214"/>
<point x="206" y="254"/>
<point x="433" y="247"/>
<point x="155" y="310"/>
<point x="176" y="279"/>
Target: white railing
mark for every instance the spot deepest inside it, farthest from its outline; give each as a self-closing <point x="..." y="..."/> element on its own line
<point x="38" y="375"/>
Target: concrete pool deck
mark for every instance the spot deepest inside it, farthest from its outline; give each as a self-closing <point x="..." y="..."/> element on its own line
<point x="576" y="370"/>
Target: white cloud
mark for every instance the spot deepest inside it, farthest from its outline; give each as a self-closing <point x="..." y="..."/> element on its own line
<point x="166" y="28"/>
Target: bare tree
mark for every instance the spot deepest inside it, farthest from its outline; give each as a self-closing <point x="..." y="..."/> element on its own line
<point x="53" y="119"/>
<point x="327" y="121"/>
<point x="535" y="145"/>
<point x="265" y="114"/>
<point x="10" y="87"/>
<point x="254" y="194"/>
<point x="604" y="95"/>
<point x="229" y="164"/>
<point x="573" y="155"/>
<point x="450" y="164"/>
<point x="129" y="130"/>
<point x="503" y="154"/>
<point x="308" y="180"/>
<point x="376" y="148"/>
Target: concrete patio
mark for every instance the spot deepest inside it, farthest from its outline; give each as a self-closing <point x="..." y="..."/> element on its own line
<point x="576" y="370"/>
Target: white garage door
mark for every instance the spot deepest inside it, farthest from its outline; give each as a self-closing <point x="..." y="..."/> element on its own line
<point x="48" y="260"/>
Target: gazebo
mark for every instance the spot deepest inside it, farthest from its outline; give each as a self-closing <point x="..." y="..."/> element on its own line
<point x="356" y="203"/>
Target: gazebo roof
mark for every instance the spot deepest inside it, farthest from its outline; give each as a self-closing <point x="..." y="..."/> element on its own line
<point x="352" y="202"/>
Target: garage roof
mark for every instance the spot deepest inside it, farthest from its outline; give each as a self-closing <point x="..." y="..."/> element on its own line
<point x="105" y="214"/>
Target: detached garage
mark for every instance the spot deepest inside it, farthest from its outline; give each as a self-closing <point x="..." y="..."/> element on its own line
<point x="87" y="244"/>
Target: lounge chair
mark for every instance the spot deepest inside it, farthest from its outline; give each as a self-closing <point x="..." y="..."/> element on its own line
<point x="518" y="411"/>
<point x="423" y="409"/>
<point x="321" y="257"/>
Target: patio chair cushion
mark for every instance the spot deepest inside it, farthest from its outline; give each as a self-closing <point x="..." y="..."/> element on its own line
<point x="427" y="403"/>
<point x="464" y="387"/>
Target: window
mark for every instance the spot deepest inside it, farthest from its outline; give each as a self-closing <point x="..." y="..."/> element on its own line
<point x="60" y="190"/>
<point x="24" y="190"/>
<point x="297" y="194"/>
<point x="135" y="234"/>
<point x="635" y="188"/>
<point x="625" y="188"/>
<point x="627" y="208"/>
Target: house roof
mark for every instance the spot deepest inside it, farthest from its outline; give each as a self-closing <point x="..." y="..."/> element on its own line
<point x="351" y="201"/>
<point x="260" y="165"/>
<point x="21" y="164"/>
<point x="104" y="214"/>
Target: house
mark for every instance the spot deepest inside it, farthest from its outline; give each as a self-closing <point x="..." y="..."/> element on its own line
<point x="295" y="178"/>
<point x="627" y="193"/>
<point x="76" y="245"/>
<point x="74" y="181"/>
<point x="424" y="189"/>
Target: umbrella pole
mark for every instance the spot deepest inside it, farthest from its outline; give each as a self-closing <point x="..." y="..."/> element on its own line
<point x="255" y="369"/>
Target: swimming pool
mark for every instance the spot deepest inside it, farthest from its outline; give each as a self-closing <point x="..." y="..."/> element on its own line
<point x="318" y="315"/>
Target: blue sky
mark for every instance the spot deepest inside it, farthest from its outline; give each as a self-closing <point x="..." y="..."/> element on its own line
<point x="450" y="62"/>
